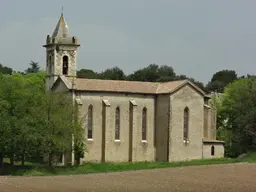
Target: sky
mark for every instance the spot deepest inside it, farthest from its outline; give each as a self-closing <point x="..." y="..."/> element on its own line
<point x="197" y="38"/>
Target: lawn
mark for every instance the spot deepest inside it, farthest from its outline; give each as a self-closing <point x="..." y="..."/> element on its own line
<point x="40" y="170"/>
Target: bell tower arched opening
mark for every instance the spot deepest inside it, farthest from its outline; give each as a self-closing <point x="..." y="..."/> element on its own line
<point x="65" y="65"/>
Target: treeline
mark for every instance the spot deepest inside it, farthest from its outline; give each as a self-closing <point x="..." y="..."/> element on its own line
<point x="34" y="123"/>
<point x="151" y="73"/>
<point x="163" y="73"/>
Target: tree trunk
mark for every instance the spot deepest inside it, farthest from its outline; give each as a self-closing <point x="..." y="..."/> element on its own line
<point x="50" y="160"/>
<point x="12" y="160"/>
<point x="22" y="160"/>
<point x="78" y="160"/>
<point x="1" y="160"/>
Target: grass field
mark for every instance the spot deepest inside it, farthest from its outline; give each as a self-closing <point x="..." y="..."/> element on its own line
<point x="39" y="170"/>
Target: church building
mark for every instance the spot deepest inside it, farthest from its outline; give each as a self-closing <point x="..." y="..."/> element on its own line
<point x="129" y="121"/>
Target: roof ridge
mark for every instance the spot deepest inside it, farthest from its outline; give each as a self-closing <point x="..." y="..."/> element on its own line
<point x="120" y="80"/>
<point x="159" y="83"/>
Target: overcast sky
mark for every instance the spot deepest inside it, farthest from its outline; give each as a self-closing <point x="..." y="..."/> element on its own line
<point x="195" y="37"/>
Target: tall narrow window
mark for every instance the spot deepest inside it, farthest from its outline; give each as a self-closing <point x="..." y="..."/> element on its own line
<point x="65" y="65"/>
<point x="90" y="122"/>
<point x="186" y="124"/>
<point x="49" y="65"/>
<point x="212" y="150"/>
<point x="144" y="124"/>
<point x="117" y="125"/>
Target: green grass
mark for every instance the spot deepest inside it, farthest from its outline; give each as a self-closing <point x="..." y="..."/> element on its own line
<point x="41" y="170"/>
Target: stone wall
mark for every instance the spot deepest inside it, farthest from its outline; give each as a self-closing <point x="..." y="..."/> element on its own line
<point x="103" y="143"/>
<point x="218" y="150"/>
<point x="54" y="62"/>
<point x="178" y="150"/>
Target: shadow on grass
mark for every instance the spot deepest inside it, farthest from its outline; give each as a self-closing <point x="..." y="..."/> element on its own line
<point x="43" y="170"/>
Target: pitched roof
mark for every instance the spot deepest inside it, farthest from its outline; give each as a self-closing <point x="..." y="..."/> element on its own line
<point x="83" y="84"/>
<point x="61" y="30"/>
<point x="115" y="86"/>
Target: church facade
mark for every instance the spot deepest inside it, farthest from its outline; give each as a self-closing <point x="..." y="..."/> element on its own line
<point x="133" y="121"/>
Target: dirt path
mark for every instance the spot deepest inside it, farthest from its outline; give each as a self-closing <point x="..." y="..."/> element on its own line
<point x="226" y="178"/>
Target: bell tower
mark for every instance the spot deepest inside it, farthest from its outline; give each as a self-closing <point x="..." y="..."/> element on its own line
<point x="61" y="53"/>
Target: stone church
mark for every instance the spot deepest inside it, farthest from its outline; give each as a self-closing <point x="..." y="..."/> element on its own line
<point x="133" y="121"/>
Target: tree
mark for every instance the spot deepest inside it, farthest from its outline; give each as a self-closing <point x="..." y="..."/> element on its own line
<point x="153" y="73"/>
<point x="32" y="92"/>
<point x="87" y="73"/>
<point x="237" y="113"/>
<point x="5" y="70"/>
<point x="54" y="122"/>
<point x="34" y="67"/>
<point x="18" y="97"/>
<point x="11" y="89"/>
<point x="34" y="122"/>
<point x="114" y="73"/>
<point x="220" y="80"/>
<point x="79" y="146"/>
<point x="5" y="133"/>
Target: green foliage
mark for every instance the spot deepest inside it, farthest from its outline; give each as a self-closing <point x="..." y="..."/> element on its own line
<point x="237" y="114"/>
<point x="5" y="70"/>
<point x="55" y="117"/>
<point x="41" y="170"/>
<point x="79" y="146"/>
<point x="87" y="73"/>
<point x="34" y="122"/>
<point x="34" y="67"/>
<point x="114" y="73"/>
<point x="153" y="73"/>
<point x="220" y="80"/>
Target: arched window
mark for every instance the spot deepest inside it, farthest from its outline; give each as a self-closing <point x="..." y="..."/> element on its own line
<point x="117" y="124"/>
<point x="90" y="122"/>
<point x="65" y="65"/>
<point x="186" y="124"/>
<point x="144" y="124"/>
<point x="212" y="150"/>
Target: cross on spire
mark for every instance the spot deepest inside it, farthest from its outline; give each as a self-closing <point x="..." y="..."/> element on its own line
<point x="62" y="11"/>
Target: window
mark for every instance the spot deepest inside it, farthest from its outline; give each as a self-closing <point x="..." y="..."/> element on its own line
<point x="50" y="60"/>
<point x="65" y="65"/>
<point x="117" y="124"/>
<point x="212" y="150"/>
<point x="50" y="65"/>
<point x="144" y="124"/>
<point x="186" y="124"/>
<point x="90" y="122"/>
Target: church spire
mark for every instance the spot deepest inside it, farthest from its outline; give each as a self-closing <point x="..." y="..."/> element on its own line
<point x="61" y="30"/>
